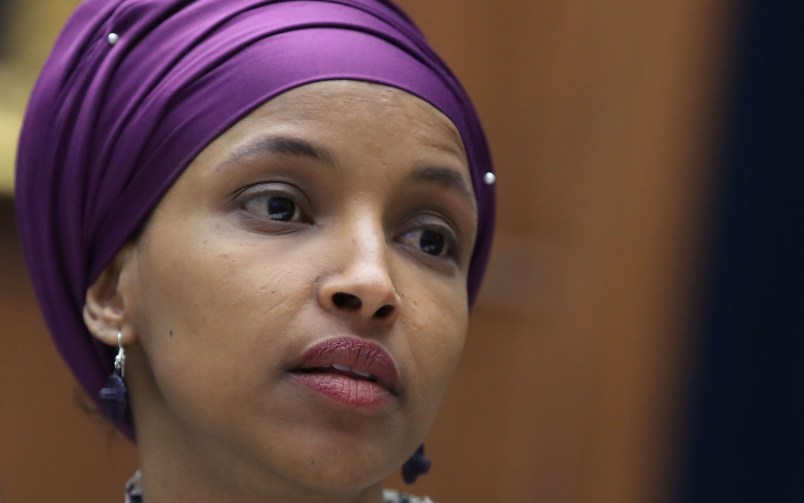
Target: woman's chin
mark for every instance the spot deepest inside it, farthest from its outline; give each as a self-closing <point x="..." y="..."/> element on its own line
<point x="346" y="471"/>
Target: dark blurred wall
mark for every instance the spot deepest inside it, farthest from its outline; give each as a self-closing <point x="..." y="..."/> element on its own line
<point x="746" y="439"/>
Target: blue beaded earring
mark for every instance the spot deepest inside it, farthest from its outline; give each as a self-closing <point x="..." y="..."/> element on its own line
<point x="114" y="396"/>
<point x="418" y="464"/>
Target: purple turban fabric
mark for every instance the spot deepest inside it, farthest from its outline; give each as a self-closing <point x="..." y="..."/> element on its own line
<point x="135" y="89"/>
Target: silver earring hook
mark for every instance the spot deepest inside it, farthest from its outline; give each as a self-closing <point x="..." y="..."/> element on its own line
<point x="120" y="359"/>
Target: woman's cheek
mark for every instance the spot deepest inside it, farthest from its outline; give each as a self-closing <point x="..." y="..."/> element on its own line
<point x="440" y="328"/>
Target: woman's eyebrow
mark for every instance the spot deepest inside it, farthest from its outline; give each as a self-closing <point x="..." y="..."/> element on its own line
<point x="447" y="178"/>
<point x="278" y="145"/>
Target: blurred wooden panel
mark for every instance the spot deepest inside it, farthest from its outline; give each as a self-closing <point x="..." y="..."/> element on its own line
<point x="600" y="116"/>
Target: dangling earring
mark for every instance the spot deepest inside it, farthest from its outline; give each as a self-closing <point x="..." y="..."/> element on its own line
<point x="418" y="464"/>
<point x="114" y="395"/>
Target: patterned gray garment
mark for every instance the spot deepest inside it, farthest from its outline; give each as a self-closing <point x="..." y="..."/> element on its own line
<point x="134" y="493"/>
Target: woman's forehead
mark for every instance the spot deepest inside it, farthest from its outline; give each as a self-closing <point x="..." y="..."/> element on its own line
<point x="354" y="104"/>
<point x="341" y="124"/>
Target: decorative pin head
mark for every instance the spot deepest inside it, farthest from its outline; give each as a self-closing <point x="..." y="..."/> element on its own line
<point x="489" y="178"/>
<point x="112" y="38"/>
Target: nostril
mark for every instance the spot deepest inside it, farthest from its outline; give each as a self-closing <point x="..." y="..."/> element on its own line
<point x="384" y="311"/>
<point x="347" y="301"/>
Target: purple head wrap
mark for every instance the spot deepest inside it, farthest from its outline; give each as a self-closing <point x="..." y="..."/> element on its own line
<point x="135" y="89"/>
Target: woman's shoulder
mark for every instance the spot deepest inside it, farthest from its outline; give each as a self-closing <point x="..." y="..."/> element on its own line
<point x="392" y="496"/>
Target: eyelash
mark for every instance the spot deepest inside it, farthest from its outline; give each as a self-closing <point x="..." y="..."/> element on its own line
<point x="255" y="200"/>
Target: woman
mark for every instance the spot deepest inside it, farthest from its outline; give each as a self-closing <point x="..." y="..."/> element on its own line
<point x="255" y="229"/>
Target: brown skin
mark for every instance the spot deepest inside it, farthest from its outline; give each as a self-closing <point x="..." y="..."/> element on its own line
<point x="233" y="279"/>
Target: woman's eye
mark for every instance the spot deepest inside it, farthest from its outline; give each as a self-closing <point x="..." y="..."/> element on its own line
<point x="281" y="208"/>
<point x="429" y="241"/>
<point x="432" y="242"/>
<point x="274" y="207"/>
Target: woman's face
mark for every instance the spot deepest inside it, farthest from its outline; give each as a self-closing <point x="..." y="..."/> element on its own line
<point x="298" y="298"/>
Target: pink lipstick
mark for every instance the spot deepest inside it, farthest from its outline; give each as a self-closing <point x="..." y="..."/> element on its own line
<point x="349" y="370"/>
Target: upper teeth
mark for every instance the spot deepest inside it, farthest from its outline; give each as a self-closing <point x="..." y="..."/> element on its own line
<point x="344" y="368"/>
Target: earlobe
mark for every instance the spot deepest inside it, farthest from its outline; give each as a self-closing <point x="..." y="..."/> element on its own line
<point x="104" y="306"/>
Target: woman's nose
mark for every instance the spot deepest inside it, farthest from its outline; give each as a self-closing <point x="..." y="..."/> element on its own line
<point x="362" y="286"/>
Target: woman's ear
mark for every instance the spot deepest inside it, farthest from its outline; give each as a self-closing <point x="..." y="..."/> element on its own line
<point x="105" y="311"/>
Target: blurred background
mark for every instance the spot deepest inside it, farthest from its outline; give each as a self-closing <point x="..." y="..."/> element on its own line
<point x="640" y="335"/>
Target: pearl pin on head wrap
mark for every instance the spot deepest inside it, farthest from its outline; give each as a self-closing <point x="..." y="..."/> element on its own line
<point x="134" y="90"/>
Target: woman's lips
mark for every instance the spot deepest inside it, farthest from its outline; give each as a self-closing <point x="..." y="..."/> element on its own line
<point x="349" y="370"/>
